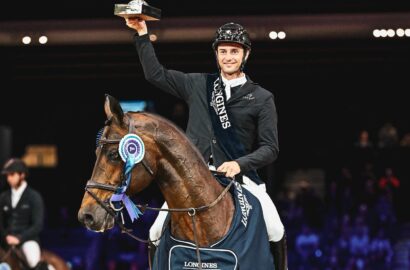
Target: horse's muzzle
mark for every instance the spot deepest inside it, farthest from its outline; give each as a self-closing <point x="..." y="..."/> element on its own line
<point x="95" y="218"/>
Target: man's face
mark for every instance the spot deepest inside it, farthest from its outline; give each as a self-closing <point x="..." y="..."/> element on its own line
<point x="230" y="56"/>
<point x="14" y="179"/>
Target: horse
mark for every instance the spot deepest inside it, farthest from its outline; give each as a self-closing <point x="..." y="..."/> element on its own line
<point x="203" y="210"/>
<point x="15" y="259"/>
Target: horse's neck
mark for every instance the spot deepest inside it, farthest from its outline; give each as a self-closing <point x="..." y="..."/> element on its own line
<point x="186" y="182"/>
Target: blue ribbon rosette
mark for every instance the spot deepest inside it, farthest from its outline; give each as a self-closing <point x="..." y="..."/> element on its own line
<point x="132" y="151"/>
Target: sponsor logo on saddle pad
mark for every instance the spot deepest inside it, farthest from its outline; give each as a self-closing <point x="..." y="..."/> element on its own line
<point x="246" y="207"/>
<point x="184" y="257"/>
<point x="191" y="265"/>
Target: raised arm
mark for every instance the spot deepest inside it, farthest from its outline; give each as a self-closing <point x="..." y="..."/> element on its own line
<point x="171" y="81"/>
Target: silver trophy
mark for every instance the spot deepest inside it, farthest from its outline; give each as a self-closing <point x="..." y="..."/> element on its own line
<point x="137" y="9"/>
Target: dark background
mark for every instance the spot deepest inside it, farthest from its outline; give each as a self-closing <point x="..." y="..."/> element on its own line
<point x="325" y="92"/>
<point x="65" y="9"/>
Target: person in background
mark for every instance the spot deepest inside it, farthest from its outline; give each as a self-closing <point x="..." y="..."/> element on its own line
<point x="21" y="214"/>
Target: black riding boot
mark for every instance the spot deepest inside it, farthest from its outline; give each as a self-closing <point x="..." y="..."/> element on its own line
<point x="280" y="254"/>
<point x="41" y="266"/>
<point x="151" y="253"/>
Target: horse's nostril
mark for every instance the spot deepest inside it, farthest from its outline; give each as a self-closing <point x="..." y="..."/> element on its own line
<point x="85" y="218"/>
<point x="88" y="219"/>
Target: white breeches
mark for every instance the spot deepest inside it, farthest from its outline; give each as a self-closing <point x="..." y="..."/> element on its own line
<point x="32" y="252"/>
<point x="156" y="229"/>
<point x="273" y="223"/>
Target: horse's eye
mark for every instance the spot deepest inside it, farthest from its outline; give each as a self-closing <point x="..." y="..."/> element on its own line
<point x="114" y="156"/>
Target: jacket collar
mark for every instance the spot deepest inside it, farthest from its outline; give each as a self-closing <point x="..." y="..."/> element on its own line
<point x="244" y="90"/>
<point x="23" y="195"/>
<point x="20" y="190"/>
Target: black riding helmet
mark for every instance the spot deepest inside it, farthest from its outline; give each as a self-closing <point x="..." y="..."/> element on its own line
<point x="233" y="33"/>
<point x="14" y="165"/>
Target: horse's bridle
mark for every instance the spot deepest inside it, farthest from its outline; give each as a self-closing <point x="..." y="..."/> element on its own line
<point x="113" y="211"/>
<point x="96" y="185"/>
<point x="91" y="184"/>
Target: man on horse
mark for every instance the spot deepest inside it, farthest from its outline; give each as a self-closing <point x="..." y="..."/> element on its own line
<point x="21" y="214"/>
<point x="233" y="121"/>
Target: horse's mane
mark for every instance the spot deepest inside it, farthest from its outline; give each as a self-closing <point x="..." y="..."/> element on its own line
<point x="161" y="119"/>
<point x="166" y="132"/>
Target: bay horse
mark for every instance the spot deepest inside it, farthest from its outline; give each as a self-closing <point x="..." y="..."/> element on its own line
<point x="14" y="258"/>
<point x="176" y="166"/>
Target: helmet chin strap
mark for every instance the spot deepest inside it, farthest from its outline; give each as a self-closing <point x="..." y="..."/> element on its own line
<point x="243" y="63"/>
<point x="244" y="60"/>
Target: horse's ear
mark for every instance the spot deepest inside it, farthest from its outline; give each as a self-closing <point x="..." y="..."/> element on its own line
<point x="113" y="109"/>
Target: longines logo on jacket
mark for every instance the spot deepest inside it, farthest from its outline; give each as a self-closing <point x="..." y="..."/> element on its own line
<point x="195" y="265"/>
<point x="249" y="97"/>
<point x="218" y="104"/>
